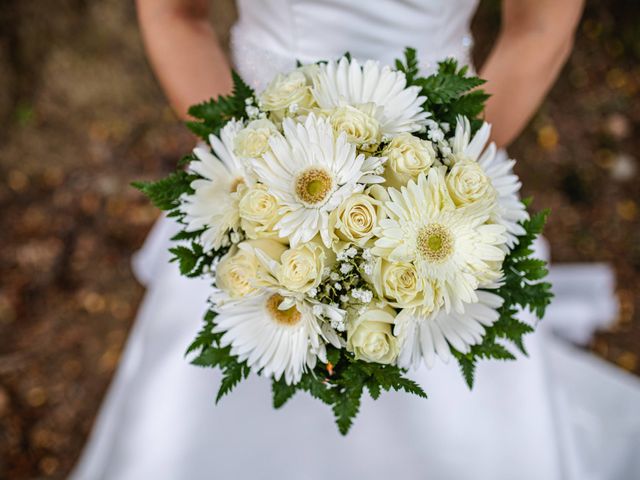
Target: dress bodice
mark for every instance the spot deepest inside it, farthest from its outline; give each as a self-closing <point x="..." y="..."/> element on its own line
<point x="271" y="35"/>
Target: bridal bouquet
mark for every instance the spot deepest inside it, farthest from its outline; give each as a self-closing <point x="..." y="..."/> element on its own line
<point x="354" y="223"/>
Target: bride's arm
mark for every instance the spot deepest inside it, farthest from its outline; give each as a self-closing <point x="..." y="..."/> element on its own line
<point x="535" y="40"/>
<point x="184" y="51"/>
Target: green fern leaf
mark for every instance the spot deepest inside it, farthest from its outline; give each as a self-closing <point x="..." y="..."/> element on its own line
<point x="281" y="392"/>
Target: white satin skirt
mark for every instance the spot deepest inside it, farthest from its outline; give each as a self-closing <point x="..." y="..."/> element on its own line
<point x="560" y="413"/>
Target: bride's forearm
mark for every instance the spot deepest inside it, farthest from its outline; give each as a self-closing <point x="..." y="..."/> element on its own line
<point x="518" y="77"/>
<point x="184" y="51"/>
<point x="535" y="41"/>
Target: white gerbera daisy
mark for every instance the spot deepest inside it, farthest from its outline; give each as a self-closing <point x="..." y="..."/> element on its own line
<point x="275" y="334"/>
<point x="311" y="170"/>
<point x="346" y="82"/>
<point x="213" y="206"/>
<point x="425" y="337"/>
<point x="509" y="210"/>
<point x="453" y="248"/>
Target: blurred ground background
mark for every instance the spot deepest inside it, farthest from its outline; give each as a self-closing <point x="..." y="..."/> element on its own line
<point x="82" y="116"/>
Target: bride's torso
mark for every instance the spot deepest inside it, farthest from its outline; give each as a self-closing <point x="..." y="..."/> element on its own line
<point x="270" y="35"/>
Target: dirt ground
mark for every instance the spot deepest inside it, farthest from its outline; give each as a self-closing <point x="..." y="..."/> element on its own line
<point x="82" y="116"/>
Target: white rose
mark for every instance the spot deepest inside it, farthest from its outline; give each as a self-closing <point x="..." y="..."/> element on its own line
<point x="301" y="268"/>
<point x="407" y="157"/>
<point x="359" y="123"/>
<point x="310" y="72"/>
<point x="467" y="183"/>
<point x="259" y="212"/>
<point x="370" y="336"/>
<point x="236" y="273"/>
<point x="253" y="140"/>
<point x="398" y="282"/>
<point x="355" y="219"/>
<point x="285" y="91"/>
<point x="402" y="286"/>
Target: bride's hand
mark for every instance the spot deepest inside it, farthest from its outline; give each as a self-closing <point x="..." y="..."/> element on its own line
<point x="184" y="51"/>
<point x="535" y="41"/>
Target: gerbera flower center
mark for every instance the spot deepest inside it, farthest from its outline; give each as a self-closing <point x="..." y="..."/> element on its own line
<point x="288" y="317"/>
<point x="313" y="186"/>
<point x="435" y="243"/>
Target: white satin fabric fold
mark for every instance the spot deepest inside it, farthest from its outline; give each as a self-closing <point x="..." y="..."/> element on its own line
<point x="558" y="414"/>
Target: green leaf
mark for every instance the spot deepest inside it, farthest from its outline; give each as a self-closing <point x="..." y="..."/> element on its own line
<point x="333" y="355"/>
<point x="467" y="367"/>
<point x="492" y="350"/>
<point x="184" y="235"/>
<point x="512" y="329"/>
<point x="533" y="227"/>
<point x="186" y="258"/>
<point x="165" y="194"/>
<point x="205" y="337"/>
<point x="211" y="357"/>
<point x="240" y="88"/>
<point x="449" y="66"/>
<point x="450" y="92"/>
<point x="186" y="160"/>
<point x="347" y="406"/>
<point x="232" y="375"/>
<point x="317" y="388"/>
<point x="470" y="105"/>
<point x="343" y="390"/>
<point x="523" y="286"/>
<point x="203" y="129"/>
<point x="533" y="268"/>
<point x="282" y="392"/>
<point x="410" y="66"/>
<point x="444" y="88"/>
<point x="211" y="115"/>
<point x="488" y="349"/>
<point x="374" y="388"/>
<point x="192" y="260"/>
<point x="391" y="377"/>
<point x="409" y="386"/>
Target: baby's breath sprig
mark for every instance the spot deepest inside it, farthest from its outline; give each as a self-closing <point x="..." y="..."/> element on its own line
<point x="345" y="285"/>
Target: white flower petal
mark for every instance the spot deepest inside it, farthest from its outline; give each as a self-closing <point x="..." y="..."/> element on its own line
<point x="347" y="82"/>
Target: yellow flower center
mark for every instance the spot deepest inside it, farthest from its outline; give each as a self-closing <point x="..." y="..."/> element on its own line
<point x="288" y="317"/>
<point x="313" y="186"/>
<point x="435" y="243"/>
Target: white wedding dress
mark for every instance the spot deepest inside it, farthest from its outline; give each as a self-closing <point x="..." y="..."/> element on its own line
<point x="558" y="414"/>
